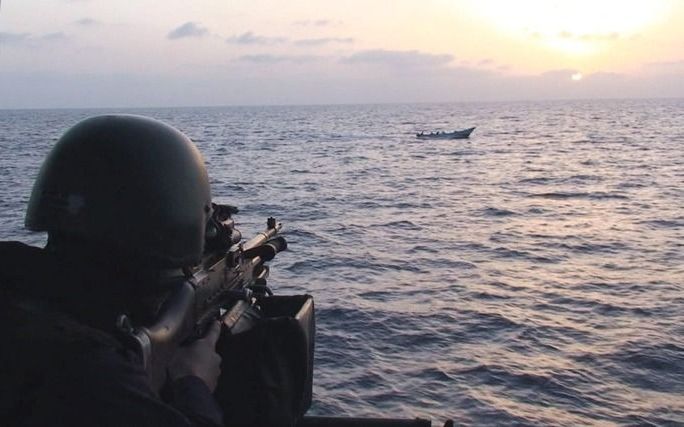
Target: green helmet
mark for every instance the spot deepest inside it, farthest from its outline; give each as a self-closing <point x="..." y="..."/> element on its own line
<point x="128" y="181"/>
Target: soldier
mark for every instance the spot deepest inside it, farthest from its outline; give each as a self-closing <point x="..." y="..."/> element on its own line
<point x="124" y="200"/>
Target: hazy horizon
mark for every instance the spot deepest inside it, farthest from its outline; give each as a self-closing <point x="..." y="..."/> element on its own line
<point x="504" y="101"/>
<point x="99" y="53"/>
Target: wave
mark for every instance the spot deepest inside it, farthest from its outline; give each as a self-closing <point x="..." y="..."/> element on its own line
<point x="579" y="195"/>
<point x="496" y="212"/>
<point x="404" y="225"/>
<point x="585" y="247"/>
<point x="657" y="366"/>
<point x="572" y="179"/>
<point x="663" y="223"/>
<point x="427" y="260"/>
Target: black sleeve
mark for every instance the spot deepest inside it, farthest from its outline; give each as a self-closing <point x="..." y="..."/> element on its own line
<point x="108" y="388"/>
<point x="192" y="397"/>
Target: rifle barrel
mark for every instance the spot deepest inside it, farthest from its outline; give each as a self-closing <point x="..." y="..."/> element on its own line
<point x="262" y="237"/>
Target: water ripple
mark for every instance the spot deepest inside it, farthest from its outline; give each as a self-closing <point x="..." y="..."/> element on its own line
<point x="531" y="275"/>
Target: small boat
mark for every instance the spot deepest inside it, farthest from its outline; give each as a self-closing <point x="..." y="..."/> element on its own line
<point x="457" y="134"/>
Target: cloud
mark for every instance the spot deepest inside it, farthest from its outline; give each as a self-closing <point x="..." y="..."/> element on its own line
<point x="605" y="77"/>
<point x="87" y="22"/>
<point x="59" y="36"/>
<point x="249" y="38"/>
<point x="254" y="84"/>
<point x="588" y="37"/>
<point x="584" y="37"/>
<point x="409" y="58"/>
<point x="14" y="37"/>
<point x="600" y="37"/>
<point x="666" y="64"/>
<point x="189" y="29"/>
<point x="30" y="39"/>
<point x="564" y="74"/>
<point x="316" y="22"/>
<point x="560" y="74"/>
<point x="323" y="41"/>
<point x="665" y="68"/>
<point x="273" y="59"/>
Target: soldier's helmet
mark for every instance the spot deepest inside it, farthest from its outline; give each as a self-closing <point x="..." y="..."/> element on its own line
<point x="127" y="181"/>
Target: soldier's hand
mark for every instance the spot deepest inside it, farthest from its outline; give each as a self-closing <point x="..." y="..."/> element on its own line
<point x="199" y="359"/>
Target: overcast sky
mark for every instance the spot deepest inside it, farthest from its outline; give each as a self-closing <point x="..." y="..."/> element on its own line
<point x="106" y="53"/>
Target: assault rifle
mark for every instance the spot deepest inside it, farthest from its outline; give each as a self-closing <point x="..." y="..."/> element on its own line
<point x="223" y="286"/>
<point x="230" y="284"/>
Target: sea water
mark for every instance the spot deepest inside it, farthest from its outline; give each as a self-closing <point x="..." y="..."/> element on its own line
<point x="533" y="274"/>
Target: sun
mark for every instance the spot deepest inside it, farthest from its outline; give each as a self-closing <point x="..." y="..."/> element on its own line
<point x="577" y="27"/>
<point x="576" y="77"/>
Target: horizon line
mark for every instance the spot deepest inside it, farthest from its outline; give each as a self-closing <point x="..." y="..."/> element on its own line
<point x="156" y="107"/>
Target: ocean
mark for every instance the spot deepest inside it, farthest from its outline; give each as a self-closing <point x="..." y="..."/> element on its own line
<point x="531" y="275"/>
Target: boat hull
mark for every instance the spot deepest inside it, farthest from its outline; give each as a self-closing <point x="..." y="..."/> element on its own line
<point x="459" y="134"/>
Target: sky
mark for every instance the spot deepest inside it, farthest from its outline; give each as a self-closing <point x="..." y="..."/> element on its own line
<point x="153" y="53"/>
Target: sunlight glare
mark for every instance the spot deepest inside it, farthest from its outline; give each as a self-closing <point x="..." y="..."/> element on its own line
<point x="572" y="26"/>
<point x="576" y="77"/>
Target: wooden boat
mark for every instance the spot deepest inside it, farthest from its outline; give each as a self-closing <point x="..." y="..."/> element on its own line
<point x="457" y="134"/>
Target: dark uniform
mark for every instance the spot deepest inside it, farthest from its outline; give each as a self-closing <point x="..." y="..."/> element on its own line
<point x="62" y="364"/>
<point x="122" y="198"/>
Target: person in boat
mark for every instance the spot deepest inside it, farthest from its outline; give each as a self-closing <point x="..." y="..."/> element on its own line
<point x="124" y="200"/>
